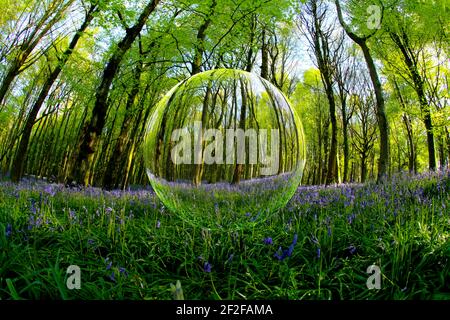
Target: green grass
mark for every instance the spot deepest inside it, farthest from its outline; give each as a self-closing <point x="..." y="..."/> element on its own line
<point x="402" y="226"/>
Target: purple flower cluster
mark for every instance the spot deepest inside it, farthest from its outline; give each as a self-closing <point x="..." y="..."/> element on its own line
<point x="283" y="254"/>
<point x="112" y="276"/>
<point x="207" y="267"/>
<point x="8" y="230"/>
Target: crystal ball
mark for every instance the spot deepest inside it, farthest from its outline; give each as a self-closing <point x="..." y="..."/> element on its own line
<point x="224" y="148"/>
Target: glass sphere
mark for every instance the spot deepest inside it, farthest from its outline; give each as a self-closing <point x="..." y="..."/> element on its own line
<point x="224" y="148"/>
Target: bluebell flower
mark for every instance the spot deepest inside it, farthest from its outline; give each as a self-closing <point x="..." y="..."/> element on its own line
<point x="268" y="241"/>
<point x="33" y="208"/>
<point x="112" y="277"/>
<point x="329" y="232"/>
<point x="207" y="267"/>
<point x="253" y="219"/>
<point x="318" y="253"/>
<point x="31" y="223"/>
<point x="49" y="190"/>
<point x="294" y="241"/>
<point x="90" y="241"/>
<point x="8" y="232"/>
<point x="290" y="250"/>
<point x="350" y="218"/>
<point x="158" y="224"/>
<point x="280" y="254"/>
<point x="314" y="240"/>
<point x="123" y="271"/>
<point x="352" y="250"/>
<point x="283" y="254"/>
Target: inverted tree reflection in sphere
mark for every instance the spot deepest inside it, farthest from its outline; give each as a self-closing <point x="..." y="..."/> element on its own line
<point x="223" y="148"/>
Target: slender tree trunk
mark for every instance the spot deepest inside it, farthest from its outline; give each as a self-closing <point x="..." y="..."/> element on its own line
<point x="441" y="148"/>
<point x="332" y="160"/>
<point x="407" y="122"/>
<point x="196" y="68"/>
<point x="264" y="57"/>
<point x="243" y="114"/>
<point x="383" y="125"/>
<point x="447" y="135"/>
<point x="324" y="61"/>
<point x="402" y="43"/>
<point x="200" y="44"/>
<point x="113" y="168"/>
<point x="411" y="147"/>
<point x="250" y="59"/>
<point x="346" y="147"/>
<point x="363" y="168"/>
<point x="11" y="74"/>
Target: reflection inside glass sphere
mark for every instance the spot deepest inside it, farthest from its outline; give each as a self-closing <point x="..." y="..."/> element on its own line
<point x="223" y="148"/>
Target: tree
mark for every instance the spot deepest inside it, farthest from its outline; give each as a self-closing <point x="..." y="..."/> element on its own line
<point x="39" y="23"/>
<point x="364" y="131"/>
<point x="21" y="153"/>
<point x="320" y="37"/>
<point x="383" y="125"/>
<point x="346" y="77"/>
<point x="92" y="130"/>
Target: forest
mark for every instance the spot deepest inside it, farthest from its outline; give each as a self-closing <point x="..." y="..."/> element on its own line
<point x="79" y="80"/>
<point x="82" y="82"/>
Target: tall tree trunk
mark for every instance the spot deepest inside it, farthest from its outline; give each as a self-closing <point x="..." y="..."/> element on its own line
<point x="113" y="168"/>
<point x="402" y="43"/>
<point x="363" y="168"/>
<point x="332" y="157"/>
<point x="91" y="132"/>
<point x="383" y="125"/>
<point x="442" y="157"/>
<point x="447" y="135"/>
<point x="243" y="115"/>
<point x="200" y="43"/>
<point x="197" y="63"/>
<point x="407" y="122"/>
<point x="21" y="154"/>
<point x="346" y="152"/>
<point x="324" y="62"/>
<point x="411" y="147"/>
<point x="250" y="59"/>
<point x="264" y="57"/>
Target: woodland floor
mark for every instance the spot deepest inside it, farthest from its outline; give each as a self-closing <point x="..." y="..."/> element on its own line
<point x="129" y="246"/>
